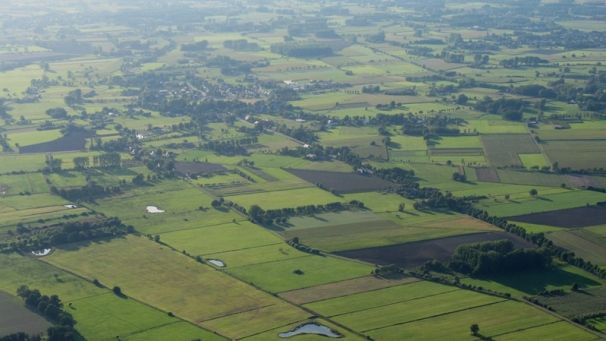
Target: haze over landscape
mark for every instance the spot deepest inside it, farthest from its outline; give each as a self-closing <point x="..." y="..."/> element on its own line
<point x="302" y="170"/>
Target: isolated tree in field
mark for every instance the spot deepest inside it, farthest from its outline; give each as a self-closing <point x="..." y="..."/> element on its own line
<point x="533" y="192"/>
<point x="402" y="207"/>
<point x="81" y="162"/>
<point x="475" y="329"/>
<point x="117" y="291"/>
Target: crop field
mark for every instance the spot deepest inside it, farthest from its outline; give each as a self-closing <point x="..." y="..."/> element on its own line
<point x="576" y="154"/>
<point x="285" y="198"/>
<point x="99" y="312"/>
<point x="417" y="253"/>
<point x="526" y="204"/>
<point x="342" y="288"/>
<point x="355" y="230"/>
<point x="282" y="275"/>
<point x="582" y="242"/>
<point x="220" y="238"/>
<point x="180" y="201"/>
<point x="342" y="182"/>
<point x="173" y="170"/>
<point x="572" y="217"/>
<point x="504" y="150"/>
<point x="210" y="294"/>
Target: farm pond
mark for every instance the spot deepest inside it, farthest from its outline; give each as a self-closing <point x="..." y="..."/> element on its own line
<point x="311" y="328"/>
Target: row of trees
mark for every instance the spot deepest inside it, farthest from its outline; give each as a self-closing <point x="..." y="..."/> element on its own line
<point x="497" y="257"/>
<point x="89" y="192"/>
<point x="263" y="217"/>
<point x="67" y="232"/>
<point x="51" y="308"/>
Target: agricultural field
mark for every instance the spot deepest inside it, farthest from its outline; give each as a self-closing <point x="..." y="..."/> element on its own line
<point x="305" y="170"/>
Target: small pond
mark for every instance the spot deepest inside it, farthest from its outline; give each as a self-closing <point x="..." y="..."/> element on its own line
<point x="311" y="328"/>
<point x="154" y="209"/>
<point x="217" y="263"/>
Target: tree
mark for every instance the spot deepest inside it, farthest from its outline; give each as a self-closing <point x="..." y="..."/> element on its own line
<point x="402" y="207"/>
<point x="58" y="113"/>
<point x="81" y="162"/>
<point x="475" y="329"/>
<point x="462" y="99"/>
<point x="117" y="291"/>
<point x="533" y="192"/>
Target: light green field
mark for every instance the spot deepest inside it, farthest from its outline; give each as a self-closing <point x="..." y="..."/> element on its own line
<point x="287" y="198"/>
<point x="156" y="275"/>
<point x="367" y="320"/>
<point x="33" y="137"/>
<point x="100" y="314"/>
<point x="279" y="276"/>
<point x="377" y="298"/>
<point x="548" y="202"/>
<point x="15" y="184"/>
<point x="495" y="320"/>
<point x="220" y="238"/>
<point x="180" y="201"/>
<point x="533" y="160"/>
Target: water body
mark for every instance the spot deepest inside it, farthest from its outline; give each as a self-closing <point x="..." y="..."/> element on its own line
<point x="41" y="253"/>
<point x="217" y="263"/>
<point x="311" y="328"/>
<point x="154" y="209"/>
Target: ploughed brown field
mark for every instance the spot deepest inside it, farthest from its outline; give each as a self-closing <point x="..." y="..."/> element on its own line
<point x="417" y="253"/>
<point x="487" y="175"/>
<point x="342" y="182"/>
<point x="15" y="317"/>
<point x="570" y="217"/>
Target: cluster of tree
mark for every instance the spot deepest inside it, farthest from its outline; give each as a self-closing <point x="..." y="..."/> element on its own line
<point x="67" y="232"/>
<point x="241" y="45"/>
<point x="510" y="108"/>
<point x="89" y="192"/>
<point x="4" y="109"/>
<point x="231" y="147"/>
<point x="232" y="67"/>
<point x="396" y="175"/>
<point x="434" y="199"/>
<point x="296" y="243"/>
<point x="453" y="57"/>
<point x="303" y="49"/>
<point x="300" y="133"/>
<point x="460" y="177"/>
<point x="497" y="257"/>
<point x="159" y="161"/>
<point x="74" y="98"/>
<point x="388" y="271"/>
<point x="378" y="37"/>
<point x="322" y="153"/>
<point x="57" y="113"/>
<point x="371" y="89"/>
<point x="280" y="216"/>
<point x="529" y="61"/>
<point x="195" y="47"/>
<point x="122" y="144"/>
<point x="50" y="307"/>
<point x="6" y="147"/>
<point x="52" y="164"/>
